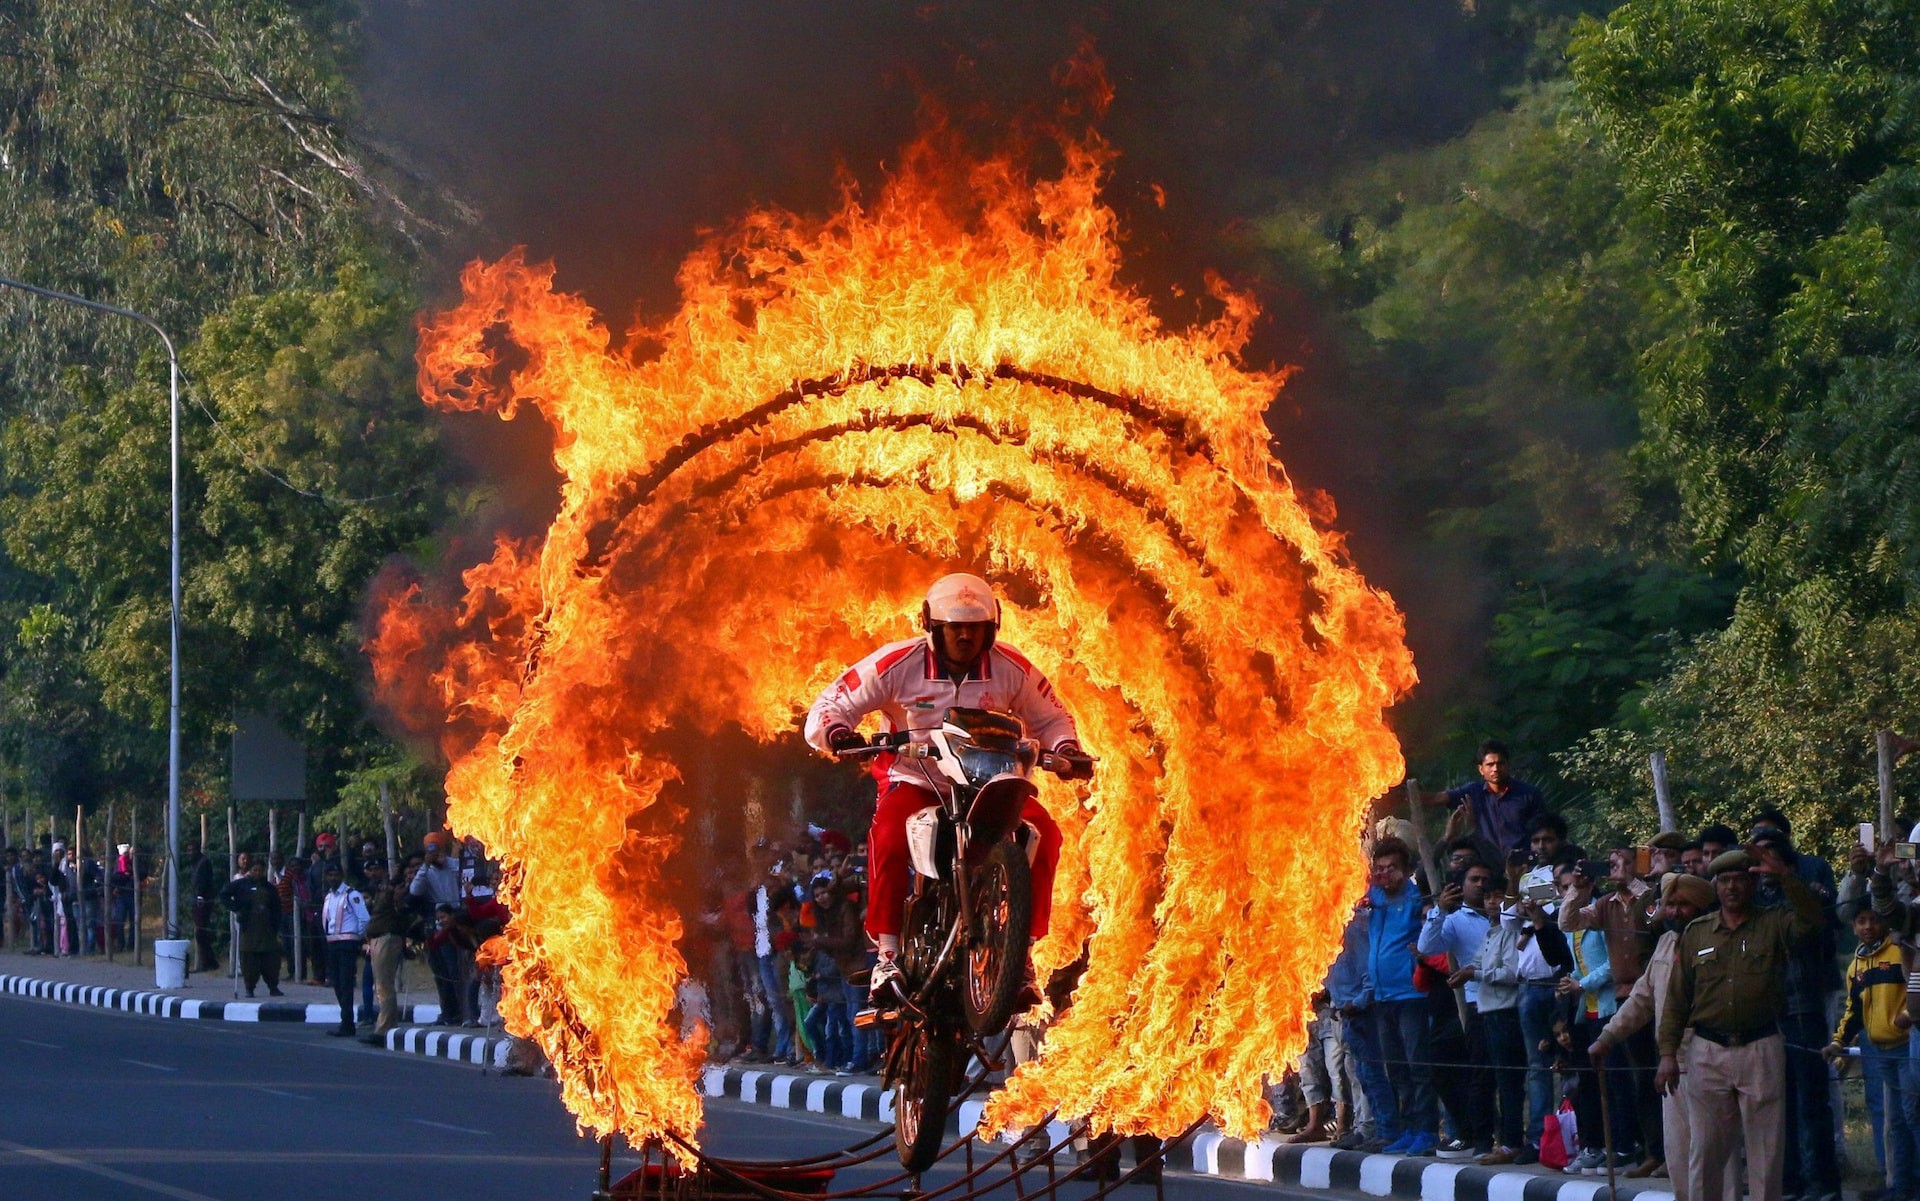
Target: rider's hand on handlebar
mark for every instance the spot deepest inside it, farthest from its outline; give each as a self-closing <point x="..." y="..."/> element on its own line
<point x="840" y="740"/>
<point x="1074" y="763"/>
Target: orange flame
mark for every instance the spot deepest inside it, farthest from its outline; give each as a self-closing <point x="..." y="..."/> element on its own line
<point x="840" y="411"/>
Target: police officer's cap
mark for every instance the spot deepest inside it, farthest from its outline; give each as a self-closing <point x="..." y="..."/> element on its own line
<point x="1730" y="861"/>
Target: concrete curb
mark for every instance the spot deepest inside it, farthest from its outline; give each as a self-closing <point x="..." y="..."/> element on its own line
<point x="442" y="1042"/>
<point x="1210" y="1153"/>
<point x="166" y="1005"/>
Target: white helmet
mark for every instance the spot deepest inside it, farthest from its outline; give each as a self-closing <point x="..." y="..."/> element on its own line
<point x="960" y="597"/>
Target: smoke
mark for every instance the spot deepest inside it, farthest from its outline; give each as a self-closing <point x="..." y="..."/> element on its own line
<point x="607" y="136"/>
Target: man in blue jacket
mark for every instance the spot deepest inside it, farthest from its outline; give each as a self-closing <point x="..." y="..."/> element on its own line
<point x="1400" y="1009"/>
<point x="1351" y="996"/>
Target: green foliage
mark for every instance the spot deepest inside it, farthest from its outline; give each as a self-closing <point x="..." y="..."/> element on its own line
<point x="413" y="788"/>
<point x="1769" y="151"/>
<point x="321" y="465"/>
<point x="165" y="157"/>
<point x="1778" y="709"/>
<point x="1499" y="283"/>
<point x="1656" y="327"/>
<point x="197" y="162"/>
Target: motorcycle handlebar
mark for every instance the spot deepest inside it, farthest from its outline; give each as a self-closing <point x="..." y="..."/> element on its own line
<point x="1069" y="767"/>
<point x="881" y="743"/>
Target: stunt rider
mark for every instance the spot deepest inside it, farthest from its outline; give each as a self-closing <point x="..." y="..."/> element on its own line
<point x="911" y="684"/>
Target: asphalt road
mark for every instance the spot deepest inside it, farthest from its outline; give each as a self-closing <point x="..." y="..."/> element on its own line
<point x="102" y="1105"/>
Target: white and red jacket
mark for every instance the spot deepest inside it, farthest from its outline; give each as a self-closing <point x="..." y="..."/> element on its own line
<point x="902" y="682"/>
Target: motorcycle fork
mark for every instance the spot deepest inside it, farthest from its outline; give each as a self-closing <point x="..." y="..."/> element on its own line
<point x="963" y="908"/>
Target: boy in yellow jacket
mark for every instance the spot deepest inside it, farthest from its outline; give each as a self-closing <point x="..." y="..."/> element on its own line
<point x="1876" y="1013"/>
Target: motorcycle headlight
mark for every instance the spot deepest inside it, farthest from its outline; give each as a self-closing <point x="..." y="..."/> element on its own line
<point x="980" y="764"/>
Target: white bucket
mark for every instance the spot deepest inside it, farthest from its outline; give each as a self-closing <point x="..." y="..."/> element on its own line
<point x="170" y="963"/>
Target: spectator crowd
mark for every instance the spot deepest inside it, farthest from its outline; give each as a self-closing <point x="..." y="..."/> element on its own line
<point x="1680" y="1009"/>
<point x="342" y="919"/>
<point x="774" y="955"/>
<point x="55" y="897"/>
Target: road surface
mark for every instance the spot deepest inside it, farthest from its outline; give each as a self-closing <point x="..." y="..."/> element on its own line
<point x="96" y="1104"/>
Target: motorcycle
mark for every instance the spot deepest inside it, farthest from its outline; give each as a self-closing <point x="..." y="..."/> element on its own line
<point x="964" y="942"/>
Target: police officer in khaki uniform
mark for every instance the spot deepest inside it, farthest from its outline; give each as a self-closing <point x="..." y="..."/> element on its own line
<point x="1727" y="988"/>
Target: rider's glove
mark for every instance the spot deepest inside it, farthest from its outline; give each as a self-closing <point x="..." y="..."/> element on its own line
<point x="840" y="740"/>
<point x="1079" y="763"/>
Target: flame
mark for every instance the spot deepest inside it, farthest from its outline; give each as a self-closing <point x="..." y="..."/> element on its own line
<point x="841" y="410"/>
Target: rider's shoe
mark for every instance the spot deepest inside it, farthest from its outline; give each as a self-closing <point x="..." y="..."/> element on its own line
<point x="885" y="981"/>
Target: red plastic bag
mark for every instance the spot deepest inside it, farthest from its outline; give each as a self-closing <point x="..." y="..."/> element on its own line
<point x="1553" y="1144"/>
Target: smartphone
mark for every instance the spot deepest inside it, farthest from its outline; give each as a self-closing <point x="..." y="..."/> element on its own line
<point x="1866" y="835"/>
<point x="1543" y="892"/>
<point x="1642" y="861"/>
<point x="1595" y="870"/>
<point x="1906" y="850"/>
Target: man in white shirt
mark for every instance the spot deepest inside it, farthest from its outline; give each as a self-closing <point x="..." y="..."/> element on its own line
<point x="343" y="917"/>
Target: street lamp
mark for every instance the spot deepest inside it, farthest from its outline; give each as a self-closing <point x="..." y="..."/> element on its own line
<point x="173" y="621"/>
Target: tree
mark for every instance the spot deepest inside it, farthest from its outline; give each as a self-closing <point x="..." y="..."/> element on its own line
<point x="199" y="160"/>
<point x="1496" y="284"/>
<point x="1769" y="155"/>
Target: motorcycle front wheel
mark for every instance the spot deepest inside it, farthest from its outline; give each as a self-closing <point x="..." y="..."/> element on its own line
<point x="1001" y="893"/>
<point x="922" y="1091"/>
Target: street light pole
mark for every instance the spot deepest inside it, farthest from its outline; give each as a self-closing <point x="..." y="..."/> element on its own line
<point x="173" y="622"/>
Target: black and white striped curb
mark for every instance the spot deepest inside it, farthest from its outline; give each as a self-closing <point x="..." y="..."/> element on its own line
<point x="167" y="1005"/>
<point x="485" y="1049"/>
<point x="857" y="1099"/>
<point x="1268" y="1160"/>
<point x="1271" y="1160"/>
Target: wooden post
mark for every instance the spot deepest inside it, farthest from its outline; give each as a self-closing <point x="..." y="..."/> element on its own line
<point x="1435" y="881"/>
<point x="79" y="884"/>
<point x="1669" y="821"/>
<point x="386" y="820"/>
<point x="106" y="885"/>
<point x="1428" y="861"/>
<point x="6" y="883"/>
<point x="133" y="869"/>
<point x="1883" y="750"/>
<point x="299" y="915"/>
<point x="233" y="919"/>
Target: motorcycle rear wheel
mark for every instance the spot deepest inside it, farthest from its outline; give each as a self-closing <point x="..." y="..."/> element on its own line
<point x="922" y="1092"/>
<point x="1001" y="893"/>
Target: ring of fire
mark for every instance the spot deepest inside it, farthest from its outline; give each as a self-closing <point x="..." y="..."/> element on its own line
<point x="981" y="394"/>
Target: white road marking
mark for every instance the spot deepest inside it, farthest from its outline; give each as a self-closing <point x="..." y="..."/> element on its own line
<point x="80" y="1165"/>
<point x="141" y="1063"/>
<point x="279" y="1093"/>
<point x="34" y="1042"/>
<point x="444" y="1126"/>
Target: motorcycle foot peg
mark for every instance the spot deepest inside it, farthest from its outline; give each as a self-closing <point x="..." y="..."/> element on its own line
<point x="875" y="1017"/>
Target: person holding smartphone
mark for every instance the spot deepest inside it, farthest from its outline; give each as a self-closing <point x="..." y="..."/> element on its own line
<point x="1623" y="919"/>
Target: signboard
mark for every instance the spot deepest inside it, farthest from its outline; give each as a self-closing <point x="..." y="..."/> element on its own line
<point x="268" y="764"/>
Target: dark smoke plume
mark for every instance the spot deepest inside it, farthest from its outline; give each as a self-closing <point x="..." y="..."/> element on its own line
<point x="606" y="136"/>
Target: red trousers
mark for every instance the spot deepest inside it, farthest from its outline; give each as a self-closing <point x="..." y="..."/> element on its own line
<point x="888" y="861"/>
